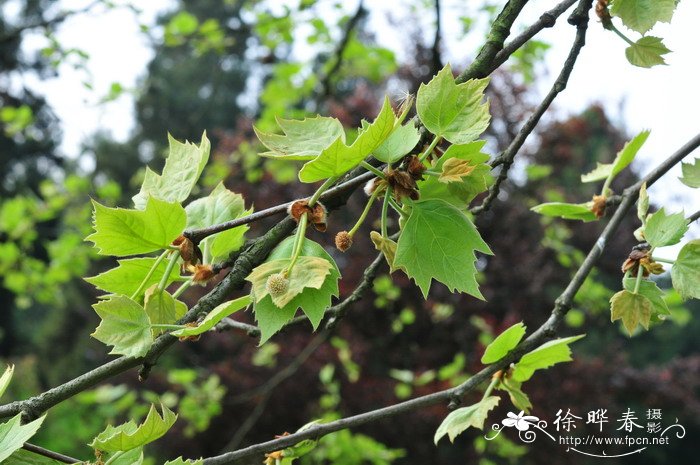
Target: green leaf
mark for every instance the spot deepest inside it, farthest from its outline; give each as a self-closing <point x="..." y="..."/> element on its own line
<point x="126" y="277"/>
<point x="6" y="378"/>
<point x="462" y="192"/>
<point x="568" y="211"/>
<point x="691" y="173"/>
<point x="623" y="158"/>
<point x="643" y="203"/>
<point x="438" y="242"/>
<point x="24" y="457"/>
<point x="338" y="158"/>
<point x="462" y="418"/>
<point x="129" y="457"/>
<point x="182" y="168"/>
<point x="13" y="434"/>
<point x="129" y="436"/>
<point x="662" y="229"/>
<point x="544" y="356"/>
<point x="219" y="206"/>
<point x="386" y="246"/>
<point x="220" y="312"/>
<point x="313" y="302"/>
<point x="686" y="271"/>
<point x="130" y="232"/>
<point x="651" y="291"/>
<point x="307" y="272"/>
<point x="180" y="461"/>
<point x="453" y="111"/>
<point x="504" y="343"/>
<point x="518" y="398"/>
<point x="162" y="308"/>
<point x="631" y="308"/>
<point x="642" y="15"/>
<point x="398" y="144"/>
<point x="303" y="139"/>
<point x="647" y="52"/>
<point x="125" y="325"/>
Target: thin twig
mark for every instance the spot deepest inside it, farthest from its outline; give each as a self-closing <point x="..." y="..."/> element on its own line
<point x="506" y="158"/>
<point x="49" y="453"/>
<point x="694" y="217"/>
<point x="435" y="50"/>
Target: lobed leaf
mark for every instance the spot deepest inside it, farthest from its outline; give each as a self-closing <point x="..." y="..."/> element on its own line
<point x="182" y="169"/>
<point x="623" y="158"/>
<point x="459" y="420"/>
<point x="642" y="15"/>
<point x="129" y="436"/>
<point x="13" y="434"/>
<point x="129" y="273"/>
<point x="301" y="139"/>
<point x="691" y="173"/>
<point x="647" y="52"/>
<point x="386" y="246"/>
<point x="307" y="272"/>
<point x="685" y="272"/>
<point x="439" y="242"/>
<point x="399" y="143"/>
<point x="125" y="325"/>
<point x="518" y="398"/>
<point x="651" y="291"/>
<point x="123" y="232"/>
<point x="6" y="378"/>
<point x="546" y="355"/>
<point x="631" y="308"/>
<point x="453" y="111"/>
<point x="339" y="158"/>
<point x="662" y="230"/>
<point x="219" y="312"/>
<point x="504" y="343"/>
<point x="568" y="211"/>
<point x="162" y="308"/>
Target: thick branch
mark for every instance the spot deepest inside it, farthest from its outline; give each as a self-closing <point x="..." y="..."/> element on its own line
<point x="544" y="332"/>
<point x="506" y="158"/>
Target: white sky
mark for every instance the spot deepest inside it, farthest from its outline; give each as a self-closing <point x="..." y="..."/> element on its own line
<point x="664" y="99"/>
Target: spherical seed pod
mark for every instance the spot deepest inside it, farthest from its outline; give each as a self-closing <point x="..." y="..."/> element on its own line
<point x="277" y="285"/>
<point x="343" y="241"/>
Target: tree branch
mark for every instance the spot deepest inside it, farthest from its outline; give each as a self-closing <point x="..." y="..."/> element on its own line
<point x="506" y="158"/>
<point x="49" y="453"/>
<point x="435" y="50"/>
<point x="547" y="330"/>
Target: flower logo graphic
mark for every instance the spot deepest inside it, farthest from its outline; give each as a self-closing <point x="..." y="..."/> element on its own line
<point x="520" y="421"/>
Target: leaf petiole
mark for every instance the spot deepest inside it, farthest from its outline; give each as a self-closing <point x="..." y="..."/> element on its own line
<point x="148" y="275"/>
<point x="638" y="282"/>
<point x="494" y="381"/>
<point x="619" y="33"/>
<point x="322" y="188"/>
<point x="185" y="285"/>
<point x="663" y="260"/>
<point x="430" y="148"/>
<point x="371" y="168"/>
<point x="171" y="265"/>
<point x="385" y="208"/>
<point x="298" y="242"/>
<point x="395" y="205"/>
<point x="362" y="217"/>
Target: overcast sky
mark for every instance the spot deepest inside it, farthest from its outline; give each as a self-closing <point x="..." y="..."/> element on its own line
<point x="664" y="99"/>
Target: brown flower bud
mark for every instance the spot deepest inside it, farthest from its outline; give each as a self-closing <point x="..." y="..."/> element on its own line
<point x="202" y="274"/>
<point x="317" y="214"/>
<point x="189" y="251"/>
<point x="415" y="167"/>
<point x="598" y="207"/>
<point x="277" y="285"/>
<point x="190" y="338"/>
<point x="402" y="184"/>
<point x="601" y="10"/>
<point x="343" y="241"/>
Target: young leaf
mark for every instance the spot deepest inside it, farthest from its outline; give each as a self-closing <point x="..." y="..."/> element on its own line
<point x="13" y="434"/>
<point x="544" y="356"/>
<point x="181" y="461"/>
<point x="662" y="229"/>
<point x="125" y="325"/>
<point x="568" y="211"/>
<point x="459" y="192"/>
<point x="518" y="398"/>
<point x="313" y="302"/>
<point x="439" y="242"/>
<point x="686" y="271"/>
<point x="647" y="52"/>
<point x="691" y="174"/>
<point x="631" y="308"/>
<point x="398" y="144"/>
<point x="162" y="308"/>
<point x="386" y="246"/>
<point x="623" y="158"/>
<point x="219" y="206"/>
<point x="6" y="378"/>
<point x="462" y="418"/>
<point x="302" y="139"/>
<point x="453" y="111"/>
<point x="643" y="204"/>
<point x="126" y="277"/>
<point x="213" y="317"/>
<point x="130" y="232"/>
<point x="129" y="436"/>
<point x="642" y="15"/>
<point x="651" y="291"/>
<point x="307" y="272"/>
<point x="454" y="169"/>
<point x="182" y="168"/>
<point x="338" y="158"/>
<point x="504" y="343"/>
